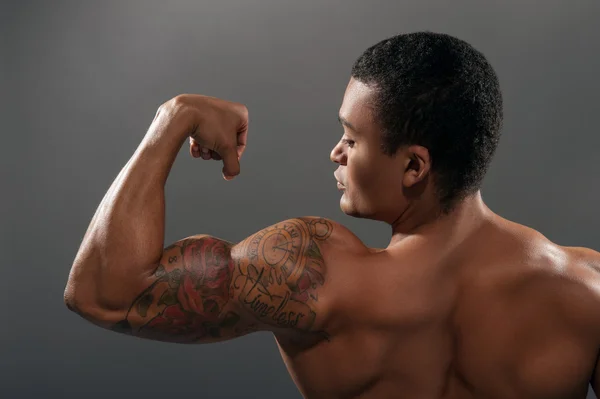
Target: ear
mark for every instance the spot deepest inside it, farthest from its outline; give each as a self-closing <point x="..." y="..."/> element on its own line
<point x="417" y="165"/>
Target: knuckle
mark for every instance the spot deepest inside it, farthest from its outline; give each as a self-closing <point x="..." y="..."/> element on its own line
<point x="180" y="99"/>
<point x="243" y="110"/>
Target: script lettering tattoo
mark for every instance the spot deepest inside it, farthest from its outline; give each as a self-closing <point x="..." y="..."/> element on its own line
<point x="280" y="272"/>
<point x="186" y="301"/>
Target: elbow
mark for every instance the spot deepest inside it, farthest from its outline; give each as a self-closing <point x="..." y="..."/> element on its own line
<point x="99" y="296"/>
<point x="84" y="302"/>
<point x="69" y="296"/>
<point x="77" y="295"/>
<point x="93" y="312"/>
<point x="78" y="303"/>
<point x="80" y="292"/>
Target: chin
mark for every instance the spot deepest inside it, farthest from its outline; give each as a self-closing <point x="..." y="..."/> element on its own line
<point x="348" y="207"/>
<point x="355" y="215"/>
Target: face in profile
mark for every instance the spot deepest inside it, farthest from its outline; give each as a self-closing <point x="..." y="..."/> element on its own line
<point x="371" y="181"/>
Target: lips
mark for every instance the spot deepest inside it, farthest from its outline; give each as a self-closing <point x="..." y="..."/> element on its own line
<point x="340" y="186"/>
<point x="338" y="181"/>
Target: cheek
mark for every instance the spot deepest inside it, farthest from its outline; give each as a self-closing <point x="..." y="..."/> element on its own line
<point x="362" y="171"/>
<point x="361" y="197"/>
<point x="373" y="179"/>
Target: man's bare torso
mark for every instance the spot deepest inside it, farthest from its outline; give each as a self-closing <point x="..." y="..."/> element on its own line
<point x="500" y="312"/>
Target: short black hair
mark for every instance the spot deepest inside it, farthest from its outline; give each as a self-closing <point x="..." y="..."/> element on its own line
<point x="436" y="91"/>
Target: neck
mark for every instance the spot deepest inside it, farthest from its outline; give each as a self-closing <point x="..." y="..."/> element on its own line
<point x="428" y="219"/>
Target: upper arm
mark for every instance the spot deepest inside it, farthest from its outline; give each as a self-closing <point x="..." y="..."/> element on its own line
<point x="206" y="289"/>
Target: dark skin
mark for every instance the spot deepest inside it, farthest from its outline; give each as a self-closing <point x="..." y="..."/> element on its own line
<point x="465" y="305"/>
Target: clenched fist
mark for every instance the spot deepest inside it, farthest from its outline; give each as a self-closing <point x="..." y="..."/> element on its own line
<point x="217" y="129"/>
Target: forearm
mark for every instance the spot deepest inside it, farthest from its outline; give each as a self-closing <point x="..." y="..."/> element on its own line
<point x="125" y="238"/>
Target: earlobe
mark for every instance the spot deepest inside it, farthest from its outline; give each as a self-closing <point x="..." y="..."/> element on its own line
<point x="412" y="175"/>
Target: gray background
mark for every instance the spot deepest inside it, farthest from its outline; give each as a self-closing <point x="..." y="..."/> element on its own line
<point x="81" y="82"/>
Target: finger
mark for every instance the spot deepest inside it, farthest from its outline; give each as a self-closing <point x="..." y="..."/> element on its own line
<point x="194" y="148"/>
<point x="215" y="155"/>
<point x="231" y="164"/>
<point x="205" y="153"/>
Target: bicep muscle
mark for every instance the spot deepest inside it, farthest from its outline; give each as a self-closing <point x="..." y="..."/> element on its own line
<point x="206" y="289"/>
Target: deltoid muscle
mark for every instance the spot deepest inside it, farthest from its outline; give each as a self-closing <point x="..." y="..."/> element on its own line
<point x="279" y="277"/>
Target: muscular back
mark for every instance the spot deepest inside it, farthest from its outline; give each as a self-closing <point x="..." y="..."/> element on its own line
<point x="501" y="313"/>
<point x="493" y="311"/>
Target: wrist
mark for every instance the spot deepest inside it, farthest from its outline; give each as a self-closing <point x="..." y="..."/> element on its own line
<point x="173" y="121"/>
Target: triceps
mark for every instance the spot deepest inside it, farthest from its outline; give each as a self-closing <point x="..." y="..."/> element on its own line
<point x="187" y="299"/>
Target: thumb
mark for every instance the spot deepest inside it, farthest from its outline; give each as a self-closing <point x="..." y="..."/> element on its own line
<point x="231" y="163"/>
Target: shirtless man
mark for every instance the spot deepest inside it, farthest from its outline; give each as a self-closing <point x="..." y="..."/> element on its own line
<point x="461" y="304"/>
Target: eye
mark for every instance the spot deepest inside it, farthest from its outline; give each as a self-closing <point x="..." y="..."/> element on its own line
<point x="349" y="143"/>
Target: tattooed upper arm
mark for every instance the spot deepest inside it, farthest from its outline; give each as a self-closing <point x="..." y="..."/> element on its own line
<point x="280" y="271"/>
<point x="206" y="289"/>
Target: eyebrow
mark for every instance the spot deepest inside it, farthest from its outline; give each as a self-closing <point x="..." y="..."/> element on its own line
<point x="346" y="123"/>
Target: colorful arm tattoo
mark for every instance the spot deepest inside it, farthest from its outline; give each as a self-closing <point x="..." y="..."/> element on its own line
<point x="206" y="289"/>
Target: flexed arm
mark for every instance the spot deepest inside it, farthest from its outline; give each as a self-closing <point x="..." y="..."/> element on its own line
<point x="125" y="239"/>
<point x="123" y="278"/>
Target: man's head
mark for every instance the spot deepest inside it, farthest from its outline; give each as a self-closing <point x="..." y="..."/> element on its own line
<point x="422" y="116"/>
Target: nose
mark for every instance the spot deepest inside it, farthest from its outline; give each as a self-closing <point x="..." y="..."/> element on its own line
<point x="338" y="155"/>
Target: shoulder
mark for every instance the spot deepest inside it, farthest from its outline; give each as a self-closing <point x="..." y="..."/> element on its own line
<point x="524" y="266"/>
<point x="333" y="235"/>
<point x="573" y="285"/>
<point x="301" y="245"/>
<point x="303" y="235"/>
<point x="582" y="266"/>
<point x="583" y="299"/>
<point x="282" y="272"/>
<point x="584" y="271"/>
<point x="564" y="268"/>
